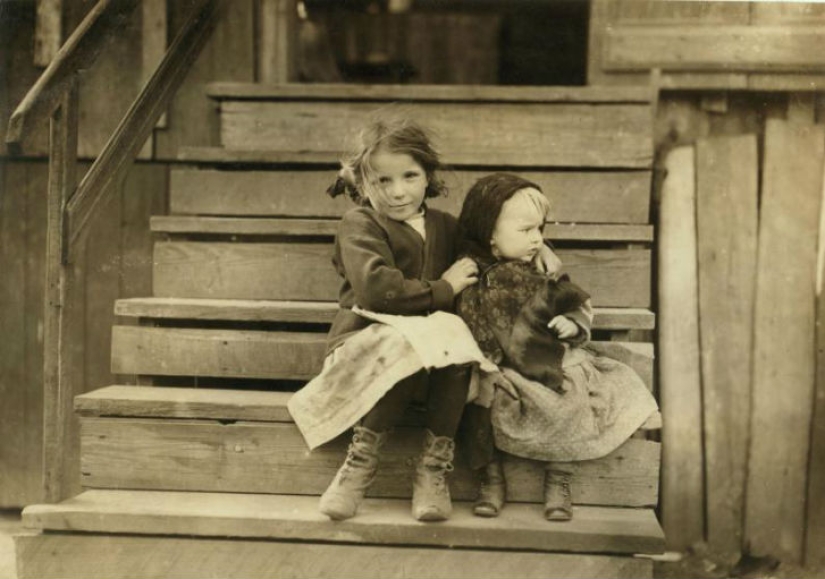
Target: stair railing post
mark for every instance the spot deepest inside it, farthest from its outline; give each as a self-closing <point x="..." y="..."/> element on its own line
<point x="57" y="402"/>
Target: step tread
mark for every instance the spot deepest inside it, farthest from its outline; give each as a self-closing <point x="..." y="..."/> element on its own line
<point x="181" y="224"/>
<point x="605" y="318"/>
<point x="200" y="403"/>
<point x="380" y="521"/>
<point x="352" y="92"/>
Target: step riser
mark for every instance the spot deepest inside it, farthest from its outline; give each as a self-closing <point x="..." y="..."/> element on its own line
<point x="302" y="271"/>
<point x="535" y="134"/>
<point x="578" y="197"/>
<point x="257" y="354"/>
<point x="69" y="556"/>
<point x="273" y="458"/>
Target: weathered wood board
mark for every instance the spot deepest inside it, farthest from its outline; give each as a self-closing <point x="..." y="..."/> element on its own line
<point x="79" y="556"/>
<point x="583" y="197"/>
<point x="679" y="367"/>
<point x="138" y="350"/>
<point x="727" y="174"/>
<point x="784" y="365"/>
<point x="267" y="457"/>
<point x="283" y="271"/>
<point x="539" y="134"/>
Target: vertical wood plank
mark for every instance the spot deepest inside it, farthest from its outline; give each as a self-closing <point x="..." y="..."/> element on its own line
<point x="153" y="45"/>
<point x="13" y="384"/>
<point x="57" y="398"/>
<point x="784" y="333"/>
<point x="278" y="41"/>
<point x="815" y="532"/>
<point x="144" y="195"/>
<point x="679" y="376"/>
<point x="228" y="55"/>
<point x="48" y="34"/>
<point x="727" y="191"/>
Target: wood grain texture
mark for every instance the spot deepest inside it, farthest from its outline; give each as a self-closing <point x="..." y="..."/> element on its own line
<point x="260" y="354"/>
<point x="537" y="134"/>
<point x="316" y="312"/>
<point x="424" y="93"/>
<point x="815" y="508"/>
<point x="727" y="174"/>
<point x="244" y="226"/>
<point x="288" y="271"/>
<point x="381" y="522"/>
<point x="577" y="196"/>
<point x="48" y="35"/>
<point x="679" y="365"/>
<point x="228" y="55"/>
<point x="784" y="365"/>
<point x="78" y="556"/>
<point x="717" y="48"/>
<point x="272" y="458"/>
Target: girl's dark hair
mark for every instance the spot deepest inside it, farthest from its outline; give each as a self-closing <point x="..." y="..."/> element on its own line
<point x="481" y="209"/>
<point x="394" y="135"/>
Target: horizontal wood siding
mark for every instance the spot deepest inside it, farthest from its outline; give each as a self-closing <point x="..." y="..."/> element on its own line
<point x="578" y="197"/>
<point x="265" y="457"/>
<point x="62" y="555"/>
<point x="284" y="271"/>
<point x="260" y="354"/>
<point x="721" y="48"/>
<point x="515" y="134"/>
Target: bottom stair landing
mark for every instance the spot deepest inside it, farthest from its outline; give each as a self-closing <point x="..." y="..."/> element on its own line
<point x="120" y="533"/>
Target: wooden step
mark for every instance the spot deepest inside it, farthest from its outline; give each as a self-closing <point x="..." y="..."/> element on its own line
<point x="553" y="128"/>
<point x="406" y="92"/>
<point x="169" y="351"/>
<point x="67" y="555"/>
<point x="246" y="226"/>
<point x="301" y="271"/>
<point x="245" y="441"/>
<point x="621" y="197"/>
<point x="379" y="522"/>
<point x="315" y="312"/>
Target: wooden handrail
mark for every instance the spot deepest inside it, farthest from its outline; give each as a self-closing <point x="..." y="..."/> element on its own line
<point x="79" y="51"/>
<point x="139" y="120"/>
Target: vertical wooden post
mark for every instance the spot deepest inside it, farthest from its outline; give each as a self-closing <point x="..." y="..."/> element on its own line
<point x="62" y="181"/>
<point x="276" y="56"/>
<point x="727" y="176"/>
<point x="680" y="388"/>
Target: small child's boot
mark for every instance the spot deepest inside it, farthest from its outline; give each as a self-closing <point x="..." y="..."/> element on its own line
<point x="431" y="494"/>
<point x="558" y="501"/>
<point x="345" y="493"/>
<point x="493" y="490"/>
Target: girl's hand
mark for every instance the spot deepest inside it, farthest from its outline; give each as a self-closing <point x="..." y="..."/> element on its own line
<point x="546" y="261"/>
<point x="462" y="274"/>
<point x="565" y="328"/>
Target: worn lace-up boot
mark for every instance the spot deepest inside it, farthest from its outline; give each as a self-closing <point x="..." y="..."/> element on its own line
<point x="345" y="493"/>
<point x="558" y="501"/>
<point x="493" y="490"/>
<point x="431" y="494"/>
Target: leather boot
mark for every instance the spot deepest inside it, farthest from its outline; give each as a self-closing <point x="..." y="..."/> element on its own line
<point x="431" y="494"/>
<point x="558" y="501"/>
<point x="493" y="490"/>
<point x="345" y="493"/>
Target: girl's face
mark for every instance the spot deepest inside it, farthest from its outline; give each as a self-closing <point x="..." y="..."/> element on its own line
<point x="518" y="231"/>
<point x="397" y="186"/>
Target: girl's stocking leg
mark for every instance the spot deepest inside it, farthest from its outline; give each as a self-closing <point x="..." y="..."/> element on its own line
<point x="389" y="410"/>
<point x="447" y="396"/>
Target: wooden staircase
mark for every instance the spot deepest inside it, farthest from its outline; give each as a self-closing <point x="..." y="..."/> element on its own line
<point x="193" y="465"/>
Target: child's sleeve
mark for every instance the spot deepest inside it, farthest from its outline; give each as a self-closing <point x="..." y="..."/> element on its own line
<point x="583" y="318"/>
<point x="379" y="285"/>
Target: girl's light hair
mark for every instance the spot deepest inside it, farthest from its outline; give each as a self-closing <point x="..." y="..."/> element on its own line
<point x="538" y="201"/>
<point x="394" y="135"/>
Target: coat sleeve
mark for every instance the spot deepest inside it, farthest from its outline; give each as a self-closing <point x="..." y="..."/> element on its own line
<point x="379" y="285"/>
